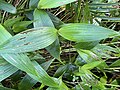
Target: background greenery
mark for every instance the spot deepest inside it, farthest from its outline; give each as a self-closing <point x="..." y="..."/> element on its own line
<point x="59" y="45"/>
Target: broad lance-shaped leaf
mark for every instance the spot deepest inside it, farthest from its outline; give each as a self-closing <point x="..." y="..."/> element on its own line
<point x="81" y="32"/>
<point x="29" y="40"/>
<point x="7" y="7"/>
<point x="27" y="82"/>
<point x="6" y="69"/>
<point x="42" y="19"/>
<point x="43" y="76"/>
<point x="43" y="4"/>
<point x="22" y="62"/>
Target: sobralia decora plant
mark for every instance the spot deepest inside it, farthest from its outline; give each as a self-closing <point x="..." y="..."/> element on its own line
<point x="32" y="50"/>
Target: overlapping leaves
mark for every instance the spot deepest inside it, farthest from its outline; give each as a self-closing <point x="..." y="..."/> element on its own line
<point x="22" y="62"/>
<point x="12" y="48"/>
<point x="43" y="20"/>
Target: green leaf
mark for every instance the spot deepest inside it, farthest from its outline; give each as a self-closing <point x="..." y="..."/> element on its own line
<point x="47" y="64"/>
<point x="90" y="57"/>
<point x="80" y="32"/>
<point x="79" y="61"/>
<point x="86" y="45"/>
<point x="34" y="70"/>
<point x="4" y="35"/>
<point x="30" y="40"/>
<point x="111" y="19"/>
<point x="44" y="4"/>
<point x="0" y="16"/>
<point x="56" y="21"/>
<point x="6" y="69"/>
<point x="7" y="7"/>
<point x="91" y="65"/>
<point x="103" y="80"/>
<point x="86" y="76"/>
<point x="62" y="86"/>
<point x="52" y="82"/>
<point x="22" y="62"/>
<point x="21" y="26"/>
<point x="26" y="65"/>
<point x="43" y="76"/>
<point x="61" y="70"/>
<point x="116" y="63"/>
<point x="27" y="83"/>
<point x="54" y="49"/>
<point x="102" y="4"/>
<point x="87" y="55"/>
<point x="104" y="50"/>
<point x="42" y="20"/>
<point x="33" y="3"/>
<point x="10" y="22"/>
<point x="29" y="15"/>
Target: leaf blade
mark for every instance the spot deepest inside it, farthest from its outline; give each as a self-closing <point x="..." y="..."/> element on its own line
<point x="7" y="7"/>
<point x="30" y="40"/>
<point x="81" y="32"/>
<point x="42" y="20"/>
<point x="6" y="69"/>
<point x="22" y="62"/>
<point x="43" y="4"/>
